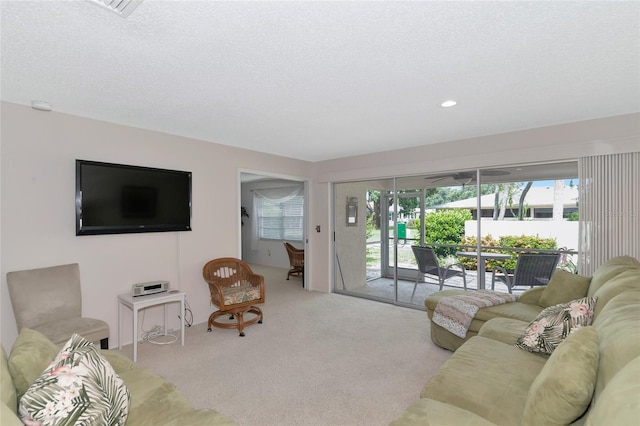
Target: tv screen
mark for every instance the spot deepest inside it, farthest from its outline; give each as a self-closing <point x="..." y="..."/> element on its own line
<point x="116" y="199"/>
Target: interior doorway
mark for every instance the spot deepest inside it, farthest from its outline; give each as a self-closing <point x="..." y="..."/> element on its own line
<point x="266" y="225"/>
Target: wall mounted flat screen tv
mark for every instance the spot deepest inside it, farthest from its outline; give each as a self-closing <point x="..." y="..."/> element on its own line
<point x="118" y="199"/>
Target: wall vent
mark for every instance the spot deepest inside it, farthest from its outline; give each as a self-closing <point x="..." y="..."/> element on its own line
<point x="121" y="7"/>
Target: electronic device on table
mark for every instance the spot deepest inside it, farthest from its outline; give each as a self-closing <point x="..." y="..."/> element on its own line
<point x="151" y="287"/>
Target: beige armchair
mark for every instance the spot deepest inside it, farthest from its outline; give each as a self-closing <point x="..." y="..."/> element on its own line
<point x="48" y="300"/>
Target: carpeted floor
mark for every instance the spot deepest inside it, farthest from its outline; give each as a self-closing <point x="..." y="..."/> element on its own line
<point x="318" y="359"/>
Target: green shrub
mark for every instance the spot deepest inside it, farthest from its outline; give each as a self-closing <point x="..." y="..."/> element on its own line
<point x="413" y="223"/>
<point x="445" y="227"/>
<point x="370" y="227"/>
<point x="514" y="241"/>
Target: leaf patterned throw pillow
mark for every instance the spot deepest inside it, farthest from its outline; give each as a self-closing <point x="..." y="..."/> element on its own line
<point x="555" y="323"/>
<point x="78" y="387"/>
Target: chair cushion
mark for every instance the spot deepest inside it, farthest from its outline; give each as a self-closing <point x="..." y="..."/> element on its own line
<point x="60" y="331"/>
<point x="31" y="353"/>
<point x="563" y="389"/>
<point x="240" y="294"/>
<point x="564" y="287"/>
<point x="78" y="387"/>
<point x="555" y="323"/>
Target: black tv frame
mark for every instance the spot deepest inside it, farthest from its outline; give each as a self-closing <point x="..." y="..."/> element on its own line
<point x="133" y="209"/>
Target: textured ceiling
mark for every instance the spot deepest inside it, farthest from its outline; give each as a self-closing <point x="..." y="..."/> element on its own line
<point x="322" y="80"/>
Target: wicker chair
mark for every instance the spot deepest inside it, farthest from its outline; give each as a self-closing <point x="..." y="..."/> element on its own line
<point x="234" y="289"/>
<point x="532" y="269"/>
<point x="296" y="260"/>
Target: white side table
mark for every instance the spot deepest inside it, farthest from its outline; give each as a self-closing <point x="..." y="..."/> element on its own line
<point x="142" y="302"/>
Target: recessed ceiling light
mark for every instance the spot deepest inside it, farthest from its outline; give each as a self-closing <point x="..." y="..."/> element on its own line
<point x="120" y="7"/>
<point x="448" y="104"/>
<point x="41" y="105"/>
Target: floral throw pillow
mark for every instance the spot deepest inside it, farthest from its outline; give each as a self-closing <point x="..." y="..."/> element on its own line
<point x="555" y="323"/>
<point x="78" y="387"/>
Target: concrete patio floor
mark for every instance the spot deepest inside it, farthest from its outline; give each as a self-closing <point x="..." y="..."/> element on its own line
<point x="383" y="288"/>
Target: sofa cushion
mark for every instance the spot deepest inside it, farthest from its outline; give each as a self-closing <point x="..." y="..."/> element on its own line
<point x="488" y="378"/>
<point x="429" y="412"/>
<point x="555" y="323"/>
<point x="618" y="326"/>
<point x="78" y="387"/>
<point x="531" y="296"/>
<point x="564" y="287"/>
<point x="627" y="280"/>
<point x="155" y="401"/>
<point x="8" y="416"/>
<point x="505" y="330"/>
<point x="563" y="389"/>
<point x="31" y="353"/>
<point x="7" y="390"/>
<point x="609" y="270"/>
<point x="619" y="403"/>
<point x="514" y="310"/>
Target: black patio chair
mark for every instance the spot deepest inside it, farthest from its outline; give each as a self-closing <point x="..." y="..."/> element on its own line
<point x="428" y="264"/>
<point x="532" y="269"/>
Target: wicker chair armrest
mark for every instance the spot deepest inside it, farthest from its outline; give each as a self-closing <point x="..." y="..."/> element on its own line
<point x="215" y="290"/>
<point x="255" y="280"/>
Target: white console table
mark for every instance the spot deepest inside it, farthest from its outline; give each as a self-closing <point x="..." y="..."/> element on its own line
<point x="142" y="302"/>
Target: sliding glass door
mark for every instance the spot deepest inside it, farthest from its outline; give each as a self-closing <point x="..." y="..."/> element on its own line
<point x="512" y="209"/>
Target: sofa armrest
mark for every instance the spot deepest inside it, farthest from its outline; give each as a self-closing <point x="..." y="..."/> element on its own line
<point x="8" y="417"/>
<point x="531" y="296"/>
<point x="429" y="412"/>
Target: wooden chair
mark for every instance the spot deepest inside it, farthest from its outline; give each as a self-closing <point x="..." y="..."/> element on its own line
<point x="532" y="269"/>
<point x="234" y="289"/>
<point x="48" y="300"/>
<point x="296" y="260"/>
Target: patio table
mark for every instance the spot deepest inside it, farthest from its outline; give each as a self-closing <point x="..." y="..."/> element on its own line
<point x="481" y="262"/>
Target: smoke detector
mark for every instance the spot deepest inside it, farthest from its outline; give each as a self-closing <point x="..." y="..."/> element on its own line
<point x="120" y="7"/>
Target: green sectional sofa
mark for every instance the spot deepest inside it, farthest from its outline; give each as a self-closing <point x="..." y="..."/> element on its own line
<point x="591" y="378"/>
<point x="153" y="400"/>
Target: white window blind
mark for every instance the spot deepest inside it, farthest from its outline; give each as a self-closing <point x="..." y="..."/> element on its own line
<point x="609" y="208"/>
<point x="279" y="213"/>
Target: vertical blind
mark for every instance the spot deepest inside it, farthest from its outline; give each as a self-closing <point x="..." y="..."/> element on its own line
<point x="609" y="208"/>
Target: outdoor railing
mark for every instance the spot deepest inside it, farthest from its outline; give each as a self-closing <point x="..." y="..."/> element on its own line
<point x="566" y="260"/>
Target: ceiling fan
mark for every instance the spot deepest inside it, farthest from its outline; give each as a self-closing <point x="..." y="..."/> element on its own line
<point x="465" y="178"/>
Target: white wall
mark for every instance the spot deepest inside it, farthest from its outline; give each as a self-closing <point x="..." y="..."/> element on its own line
<point x="554" y="143"/>
<point x="38" y="217"/>
<point x="37" y="197"/>
<point x="351" y="241"/>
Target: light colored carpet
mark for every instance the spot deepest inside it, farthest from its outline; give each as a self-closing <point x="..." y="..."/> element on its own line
<point x="318" y="359"/>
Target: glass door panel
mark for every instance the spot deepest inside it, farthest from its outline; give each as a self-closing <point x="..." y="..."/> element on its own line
<point x="514" y="209"/>
<point x="360" y="238"/>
